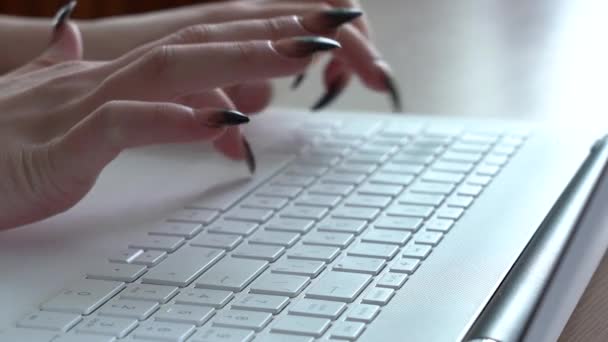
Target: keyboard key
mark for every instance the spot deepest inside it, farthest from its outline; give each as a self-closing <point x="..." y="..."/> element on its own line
<point x="443" y="177"/>
<point x="249" y="215"/>
<point x="343" y="178"/>
<point x="356" y="168"/>
<point x="232" y="227"/>
<point x="450" y="213"/>
<point x="428" y="238"/>
<point x="289" y="225"/>
<point x="469" y="148"/>
<point x="398" y="223"/>
<point x="392" y="237"/>
<point x="150" y="258"/>
<point x="439" y="225"/>
<point x="54" y="321"/>
<point x="420" y="199"/>
<point x="296" y="325"/>
<point x="461" y="157"/>
<point x="222" y="335"/>
<point x="404" y="158"/>
<point x="279" y="284"/>
<point x="358" y="200"/>
<point x="78" y="338"/>
<point x="262" y="303"/>
<point x="421" y="211"/>
<point x="179" y="229"/>
<point x="359" y="157"/>
<point x="359" y="265"/>
<point x="305" y="170"/>
<point x="116" y="272"/>
<point x="460" y="201"/>
<point x="373" y="250"/>
<point x="260" y="252"/>
<point x="266" y="237"/>
<point x="327" y="201"/>
<point x="469" y="190"/>
<point x="185" y="314"/>
<point x="231" y="274"/>
<point x="446" y="166"/>
<point x="340" y="240"/>
<point x="204" y="297"/>
<point x="339" y="286"/>
<point x="303" y="212"/>
<point x="194" y="215"/>
<point x="317" y="308"/>
<point x="109" y="326"/>
<point x="158" y="243"/>
<point x="331" y="189"/>
<point x="309" y="252"/>
<point x="342" y="225"/>
<point x="144" y="292"/>
<point x="345" y="212"/>
<point x="307" y="268"/>
<point x="221" y="241"/>
<point x="83" y="296"/>
<point x="411" y="169"/>
<point x="183" y="266"/>
<point x="432" y="188"/>
<point x="126" y="308"/>
<point x="30" y="335"/>
<point x="125" y="256"/>
<point x="346" y="330"/>
<point x="378" y="296"/>
<point x="405" y="265"/>
<point x="259" y="202"/>
<point x="487" y="170"/>
<point x="479" y="180"/>
<point x="318" y="159"/>
<point x="163" y="331"/>
<point x="391" y="178"/>
<point x="293" y="180"/>
<point x="379" y="189"/>
<point x="418" y="251"/>
<point x="279" y="191"/>
<point x="362" y="313"/>
<point x="240" y="319"/>
<point x="496" y="160"/>
<point x="392" y="280"/>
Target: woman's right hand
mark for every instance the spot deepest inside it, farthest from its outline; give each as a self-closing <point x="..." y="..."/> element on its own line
<point x="62" y="120"/>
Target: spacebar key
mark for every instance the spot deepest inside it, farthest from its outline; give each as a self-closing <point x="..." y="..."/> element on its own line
<point x="183" y="266"/>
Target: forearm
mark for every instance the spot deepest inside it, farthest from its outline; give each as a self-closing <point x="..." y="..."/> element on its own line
<point x="23" y="39"/>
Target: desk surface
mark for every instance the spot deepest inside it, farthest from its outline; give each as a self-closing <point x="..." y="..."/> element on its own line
<point x="518" y="58"/>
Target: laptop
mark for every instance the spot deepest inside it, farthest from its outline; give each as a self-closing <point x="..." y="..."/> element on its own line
<point x="356" y="227"/>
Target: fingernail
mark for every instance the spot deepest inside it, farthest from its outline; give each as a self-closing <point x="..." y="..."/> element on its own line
<point x="225" y="117"/>
<point x="63" y="14"/>
<point x="391" y="86"/>
<point x="301" y="47"/>
<point x="329" y="20"/>
<point x="298" y="81"/>
<point x="334" y="89"/>
<point x="249" y="157"/>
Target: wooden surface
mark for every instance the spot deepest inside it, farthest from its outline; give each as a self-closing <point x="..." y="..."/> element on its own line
<point x="511" y="58"/>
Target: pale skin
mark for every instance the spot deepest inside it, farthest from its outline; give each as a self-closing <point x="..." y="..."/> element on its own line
<point x="70" y="111"/>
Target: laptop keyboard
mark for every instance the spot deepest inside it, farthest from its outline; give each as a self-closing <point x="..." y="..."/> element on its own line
<point x="313" y="253"/>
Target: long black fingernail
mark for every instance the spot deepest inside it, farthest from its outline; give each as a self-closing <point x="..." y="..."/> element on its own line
<point x="298" y="81"/>
<point x="391" y="86"/>
<point x="339" y="16"/>
<point x="300" y="47"/>
<point x="249" y="157"/>
<point x="334" y="89"/>
<point x="63" y="14"/>
<point x="225" y="117"/>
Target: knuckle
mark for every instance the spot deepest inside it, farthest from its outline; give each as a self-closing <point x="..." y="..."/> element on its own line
<point x="110" y="120"/>
<point x="196" y="33"/>
<point x="246" y="51"/>
<point x="159" y="61"/>
<point x="274" y="28"/>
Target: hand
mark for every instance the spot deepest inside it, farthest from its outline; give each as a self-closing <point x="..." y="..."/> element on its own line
<point x="62" y="119"/>
<point x="365" y="61"/>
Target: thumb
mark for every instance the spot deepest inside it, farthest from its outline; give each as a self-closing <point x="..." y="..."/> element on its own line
<point x="65" y="45"/>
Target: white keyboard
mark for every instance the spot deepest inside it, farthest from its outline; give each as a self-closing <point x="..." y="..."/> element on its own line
<point x="312" y="253"/>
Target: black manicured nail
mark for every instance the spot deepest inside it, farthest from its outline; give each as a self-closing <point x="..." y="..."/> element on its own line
<point x="334" y="89"/>
<point x="339" y="16"/>
<point x="63" y="14"/>
<point x="301" y="47"/>
<point x="224" y="117"/>
<point x="249" y="157"/>
<point x="298" y="81"/>
<point x="391" y="86"/>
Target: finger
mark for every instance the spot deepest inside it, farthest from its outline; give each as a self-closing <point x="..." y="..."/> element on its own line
<point x="337" y="76"/>
<point x="90" y="145"/>
<point x="252" y="97"/>
<point x="176" y="70"/>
